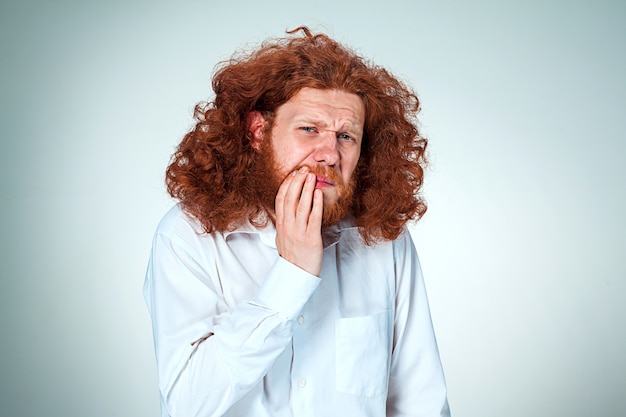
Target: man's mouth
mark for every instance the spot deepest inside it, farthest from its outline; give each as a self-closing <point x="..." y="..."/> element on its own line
<point x="323" y="182"/>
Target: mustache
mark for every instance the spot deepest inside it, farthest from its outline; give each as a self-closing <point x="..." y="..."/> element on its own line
<point x="325" y="171"/>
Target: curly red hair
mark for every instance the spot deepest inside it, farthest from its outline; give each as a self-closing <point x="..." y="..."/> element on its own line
<point x="209" y="172"/>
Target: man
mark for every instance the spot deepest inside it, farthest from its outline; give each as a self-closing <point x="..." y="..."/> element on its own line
<point x="285" y="283"/>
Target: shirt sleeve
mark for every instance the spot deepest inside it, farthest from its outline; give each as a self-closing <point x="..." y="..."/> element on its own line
<point x="210" y="355"/>
<point x="416" y="382"/>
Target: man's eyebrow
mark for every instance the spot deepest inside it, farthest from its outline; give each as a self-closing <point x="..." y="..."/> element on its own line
<point x="350" y="127"/>
<point x="309" y="119"/>
<point x="346" y="126"/>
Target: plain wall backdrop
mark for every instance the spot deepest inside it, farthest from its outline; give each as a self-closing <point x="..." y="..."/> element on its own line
<point x="523" y="246"/>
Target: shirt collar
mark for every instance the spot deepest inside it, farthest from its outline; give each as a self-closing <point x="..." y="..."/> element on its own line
<point x="330" y="235"/>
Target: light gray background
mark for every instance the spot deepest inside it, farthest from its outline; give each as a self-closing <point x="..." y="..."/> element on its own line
<point x="523" y="246"/>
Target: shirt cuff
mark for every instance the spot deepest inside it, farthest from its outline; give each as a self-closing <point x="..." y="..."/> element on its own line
<point x="287" y="288"/>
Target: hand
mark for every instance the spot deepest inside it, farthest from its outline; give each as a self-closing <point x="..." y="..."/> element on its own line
<point x="299" y="207"/>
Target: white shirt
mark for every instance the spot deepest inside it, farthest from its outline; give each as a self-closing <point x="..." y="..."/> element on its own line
<point x="239" y="331"/>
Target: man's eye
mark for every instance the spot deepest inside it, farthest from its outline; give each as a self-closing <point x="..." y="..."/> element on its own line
<point x="345" y="136"/>
<point x="308" y="129"/>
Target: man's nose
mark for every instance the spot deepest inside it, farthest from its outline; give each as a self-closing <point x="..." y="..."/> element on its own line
<point x="326" y="151"/>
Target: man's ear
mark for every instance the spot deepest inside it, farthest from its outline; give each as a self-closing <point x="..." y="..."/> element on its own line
<point x="256" y="125"/>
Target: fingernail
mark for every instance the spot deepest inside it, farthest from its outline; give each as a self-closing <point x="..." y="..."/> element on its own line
<point x="309" y="177"/>
<point x="304" y="169"/>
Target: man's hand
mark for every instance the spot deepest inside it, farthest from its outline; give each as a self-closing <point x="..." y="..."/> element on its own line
<point x="299" y="208"/>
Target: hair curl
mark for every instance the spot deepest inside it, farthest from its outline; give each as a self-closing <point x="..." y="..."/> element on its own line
<point x="208" y="172"/>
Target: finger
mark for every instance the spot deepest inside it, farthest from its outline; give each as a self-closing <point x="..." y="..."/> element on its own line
<point x="292" y="196"/>
<point x="315" y="218"/>
<point x="306" y="199"/>
<point x="279" y="202"/>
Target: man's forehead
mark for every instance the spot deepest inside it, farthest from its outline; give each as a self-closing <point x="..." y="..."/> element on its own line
<point x="317" y="104"/>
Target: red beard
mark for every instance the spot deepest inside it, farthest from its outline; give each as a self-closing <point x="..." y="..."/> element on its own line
<point x="266" y="178"/>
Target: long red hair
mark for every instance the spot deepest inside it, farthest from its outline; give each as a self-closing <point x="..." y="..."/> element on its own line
<point x="209" y="172"/>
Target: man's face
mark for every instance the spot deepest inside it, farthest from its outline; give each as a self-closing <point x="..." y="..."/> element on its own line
<point x="321" y="129"/>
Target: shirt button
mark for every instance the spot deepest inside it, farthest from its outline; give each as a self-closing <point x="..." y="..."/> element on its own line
<point x="302" y="382"/>
<point x="300" y="319"/>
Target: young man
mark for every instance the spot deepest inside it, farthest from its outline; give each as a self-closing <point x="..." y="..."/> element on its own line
<point x="285" y="283"/>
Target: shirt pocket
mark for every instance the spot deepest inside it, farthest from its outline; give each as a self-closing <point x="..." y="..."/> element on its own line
<point x="362" y="354"/>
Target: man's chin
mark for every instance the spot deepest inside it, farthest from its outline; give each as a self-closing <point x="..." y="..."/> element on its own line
<point x="337" y="203"/>
<point x="333" y="213"/>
